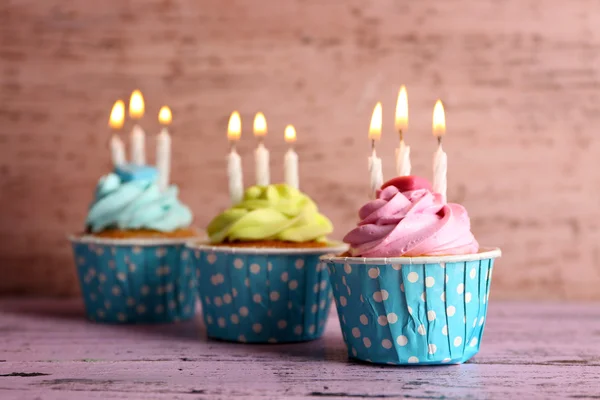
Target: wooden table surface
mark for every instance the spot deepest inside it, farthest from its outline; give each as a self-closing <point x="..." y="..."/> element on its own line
<point x="48" y="351"/>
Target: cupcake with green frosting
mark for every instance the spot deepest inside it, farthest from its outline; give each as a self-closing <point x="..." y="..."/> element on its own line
<point x="131" y="260"/>
<point x="261" y="280"/>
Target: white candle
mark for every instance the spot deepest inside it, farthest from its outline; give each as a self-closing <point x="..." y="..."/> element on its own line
<point x="163" y="149"/>
<point x="375" y="166"/>
<point x="138" y="137"/>
<point x="234" y="161"/>
<point x="440" y="169"/>
<point x="403" y="152"/>
<point x="234" y="172"/>
<point x="138" y="146"/>
<point x="261" y="157"/>
<point x="403" y="166"/>
<point x="290" y="166"/>
<point x="375" y="172"/>
<point x="440" y="159"/>
<point x="117" y="149"/>
<point x="261" y="154"/>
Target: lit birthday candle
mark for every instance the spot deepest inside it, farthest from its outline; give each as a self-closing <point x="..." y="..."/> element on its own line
<point x="115" y="122"/>
<point x="440" y="159"/>
<point x="138" y="137"/>
<point x="403" y="151"/>
<point x="290" y="166"/>
<point x="163" y="148"/>
<point x="234" y="161"/>
<point x="261" y="154"/>
<point x="375" y="167"/>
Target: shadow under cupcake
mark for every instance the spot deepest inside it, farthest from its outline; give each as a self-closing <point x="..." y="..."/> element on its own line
<point x="260" y="278"/>
<point x="414" y="286"/>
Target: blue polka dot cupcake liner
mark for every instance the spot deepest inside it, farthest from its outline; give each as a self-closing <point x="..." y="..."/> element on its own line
<point x="263" y="295"/>
<point x="412" y="310"/>
<point x="135" y="280"/>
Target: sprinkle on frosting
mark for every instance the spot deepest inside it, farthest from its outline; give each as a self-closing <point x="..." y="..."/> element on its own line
<point x="274" y="212"/>
<point x="408" y="219"/>
<point x="136" y="204"/>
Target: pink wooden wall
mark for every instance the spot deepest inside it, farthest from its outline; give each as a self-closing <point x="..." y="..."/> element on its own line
<point x="520" y="80"/>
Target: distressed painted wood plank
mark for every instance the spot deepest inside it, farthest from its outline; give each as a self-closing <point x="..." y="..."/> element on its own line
<point x="519" y="78"/>
<point x="529" y="349"/>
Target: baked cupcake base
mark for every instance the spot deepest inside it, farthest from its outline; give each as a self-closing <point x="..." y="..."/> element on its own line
<point x="412" y="310"/>
<point x="135" y="280"/>
<point x="145" y="234"/>
<point x="263" y="295"/>
<point x="274" y="244"/>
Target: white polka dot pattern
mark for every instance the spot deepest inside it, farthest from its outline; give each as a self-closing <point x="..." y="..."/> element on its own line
<point x="136" y="284"/>
<point x="265" y="298"/>
<point x="412" y="313"/>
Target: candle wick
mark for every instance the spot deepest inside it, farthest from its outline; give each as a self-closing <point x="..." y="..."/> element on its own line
<point x="439" y="138"/>
<point x="374" y="153"/>
<point x="401" y="135"/>
<point x="232" y="146"/>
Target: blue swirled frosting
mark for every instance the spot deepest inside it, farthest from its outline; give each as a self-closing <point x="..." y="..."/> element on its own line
<point x="136" y="202"/>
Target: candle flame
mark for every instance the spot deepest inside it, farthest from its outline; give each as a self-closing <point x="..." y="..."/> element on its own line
<point x="290" y="134"/>
<point x="439" y="119"/>
<point x="117" y="115"/>
<point x="402" y="110"/>
<point x="375" y="127"/>
<point x="234" y="128"/>
<point x="165" y="116"/>
<point x="136" y="105"/>
<point x="260" y="125"/>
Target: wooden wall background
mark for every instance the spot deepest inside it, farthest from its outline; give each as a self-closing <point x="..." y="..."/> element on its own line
<point x="520" y="80"/>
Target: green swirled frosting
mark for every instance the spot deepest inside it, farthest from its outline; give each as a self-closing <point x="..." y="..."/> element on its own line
<point x="274" y="212"/>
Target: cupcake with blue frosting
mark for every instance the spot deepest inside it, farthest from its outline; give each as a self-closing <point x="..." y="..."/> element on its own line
<point x="131" y="259"/>
<point x="261" y="280"/>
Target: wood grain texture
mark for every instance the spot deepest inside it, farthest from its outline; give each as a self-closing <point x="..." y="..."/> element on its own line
<point x="520" y="80"/>
<point x="48" y="351"/>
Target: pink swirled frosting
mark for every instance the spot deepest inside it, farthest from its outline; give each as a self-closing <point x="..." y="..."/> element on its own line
<point x="408" y="219"/>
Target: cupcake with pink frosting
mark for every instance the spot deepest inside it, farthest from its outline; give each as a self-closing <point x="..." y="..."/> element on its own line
<point x="414" y="286"/>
